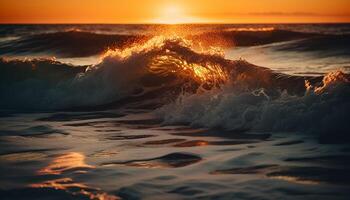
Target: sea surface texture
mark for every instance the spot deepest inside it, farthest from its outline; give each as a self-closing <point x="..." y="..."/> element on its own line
<point x="175" y="112"/>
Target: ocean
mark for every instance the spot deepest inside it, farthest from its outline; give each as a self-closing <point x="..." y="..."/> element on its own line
<point x="202" y="111"/>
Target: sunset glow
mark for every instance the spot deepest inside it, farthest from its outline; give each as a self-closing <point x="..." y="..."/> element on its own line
<point x="174" y="99"/>
<point x="174" y="12"/>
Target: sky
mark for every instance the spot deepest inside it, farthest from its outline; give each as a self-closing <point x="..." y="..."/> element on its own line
<point x="172" y="12"/>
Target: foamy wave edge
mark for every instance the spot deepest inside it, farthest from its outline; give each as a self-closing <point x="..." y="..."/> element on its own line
<point x="322" y="110"/>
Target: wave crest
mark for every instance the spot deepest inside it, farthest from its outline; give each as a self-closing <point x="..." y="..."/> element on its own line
<point x="116" y="76"/>
<point x="329" y="81"/>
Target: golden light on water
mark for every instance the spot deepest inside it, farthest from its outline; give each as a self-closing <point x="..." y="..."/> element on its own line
<point x="163" y="55"/>
<point x="329" y="80"/>
<point x="74" y="188"/>
<point x="203" y="72"/>
<point x="59" y="184"/>
<point x="251" y="29"/>
<point x="72" y="160"/>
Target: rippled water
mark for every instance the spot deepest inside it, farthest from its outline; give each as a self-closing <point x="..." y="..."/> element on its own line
<point x="128" y="154"/>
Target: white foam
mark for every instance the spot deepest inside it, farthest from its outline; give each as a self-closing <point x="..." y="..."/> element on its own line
<point x="232" y="109"/>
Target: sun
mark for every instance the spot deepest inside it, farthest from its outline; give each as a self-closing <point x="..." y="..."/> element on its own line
<point x="172" y="14"/>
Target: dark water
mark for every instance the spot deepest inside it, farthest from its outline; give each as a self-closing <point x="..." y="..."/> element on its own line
<point x="174" y="112"/>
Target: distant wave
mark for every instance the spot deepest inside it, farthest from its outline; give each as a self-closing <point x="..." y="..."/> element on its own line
<point x="327" y="44"/>
<point x="231" y="38"/>
<point x="67" y="44"/>
<point x="201" y="88"/>
<point x="81" y="44"/>
<point x="13" y="71"/>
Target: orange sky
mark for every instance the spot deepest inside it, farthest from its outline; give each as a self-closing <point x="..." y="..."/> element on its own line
<point x="179" y="11"/>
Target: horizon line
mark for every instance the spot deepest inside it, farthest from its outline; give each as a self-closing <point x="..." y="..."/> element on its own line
<point x="150" y="23"/>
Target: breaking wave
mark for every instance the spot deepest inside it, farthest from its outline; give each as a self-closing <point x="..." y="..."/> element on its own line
<point x="186" y="85"/>
<point x="322" y="109"/>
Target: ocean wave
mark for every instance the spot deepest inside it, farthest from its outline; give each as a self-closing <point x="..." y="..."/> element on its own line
<point x="71" y="43"/>
<point x="327" y="45"/>
<point x="76" y="43"/>
<point x="210" y="90"/>
<point x="322" y="110"/>
<point x="46" y="84"/>
<point x="249" y="37"/>
<point x="49" y="84"/>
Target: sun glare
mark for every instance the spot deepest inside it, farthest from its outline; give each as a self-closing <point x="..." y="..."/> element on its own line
<point x="172" y="14"/>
